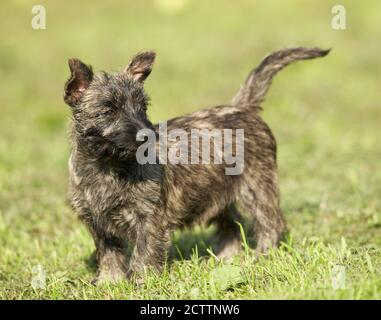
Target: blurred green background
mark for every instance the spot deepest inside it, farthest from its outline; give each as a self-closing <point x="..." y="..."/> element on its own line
<point x="326" y="115"/>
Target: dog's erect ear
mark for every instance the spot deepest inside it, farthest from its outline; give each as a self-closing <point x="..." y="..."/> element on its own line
<point x="80" y="79"/>
<point x="141" y="65"/>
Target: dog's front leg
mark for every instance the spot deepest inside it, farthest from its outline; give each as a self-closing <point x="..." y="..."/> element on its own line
<point x="111" y="259"/>
<point x="151" y="245"/>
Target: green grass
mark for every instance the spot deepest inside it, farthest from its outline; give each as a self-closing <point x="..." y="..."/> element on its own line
<point x="325" y="114"/>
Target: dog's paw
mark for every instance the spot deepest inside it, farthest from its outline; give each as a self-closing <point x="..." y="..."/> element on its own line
<point x="137" y="278"/>
<point x="108" y="278"/>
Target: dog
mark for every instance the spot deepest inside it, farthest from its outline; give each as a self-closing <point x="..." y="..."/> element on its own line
<point x="123" y="202"/>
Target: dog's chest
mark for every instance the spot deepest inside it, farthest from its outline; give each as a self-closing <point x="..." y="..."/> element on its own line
<point x="110" y="199"/>
<point x="94" y="192"/>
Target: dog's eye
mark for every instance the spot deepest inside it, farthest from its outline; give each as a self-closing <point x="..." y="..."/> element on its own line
<point x="108" y="112"/>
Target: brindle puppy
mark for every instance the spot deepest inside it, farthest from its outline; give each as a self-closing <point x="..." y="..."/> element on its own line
<point x="122" y="201"/>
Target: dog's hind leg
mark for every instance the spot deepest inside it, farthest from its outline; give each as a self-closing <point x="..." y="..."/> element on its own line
<point x="260" y="201"/>
<point x="228" y="233"/>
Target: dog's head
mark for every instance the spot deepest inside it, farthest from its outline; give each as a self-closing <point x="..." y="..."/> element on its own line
<point x="109" y="109"/>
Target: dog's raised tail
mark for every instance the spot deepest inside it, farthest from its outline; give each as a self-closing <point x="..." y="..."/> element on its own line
<point x="254" y="90"/>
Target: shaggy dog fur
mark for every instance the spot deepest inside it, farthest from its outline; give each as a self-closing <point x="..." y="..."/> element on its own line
<point x="123" y="202"/>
